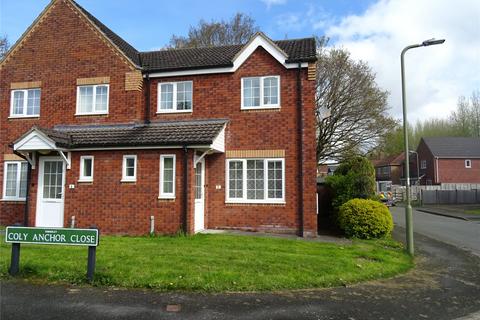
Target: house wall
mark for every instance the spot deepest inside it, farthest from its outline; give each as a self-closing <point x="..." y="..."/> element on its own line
<point x="429" y="173"/>
<point x="57" y="61"/>
<point x="454" y="171"/>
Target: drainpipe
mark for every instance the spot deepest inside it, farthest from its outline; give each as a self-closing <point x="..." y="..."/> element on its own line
<point x="147" y="99"/>
<point x="300" y="146"/>
<point x="29" y="173"/>
<point x="185" y="189"/>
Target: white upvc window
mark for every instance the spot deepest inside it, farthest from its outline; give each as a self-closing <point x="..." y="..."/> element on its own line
<point x="260" y="92"/>
<point x="423" y="164"/>
<point x="129" y="170"/>
<point x="86" y="169"/>
<point x="255" y="180"/>
<point x="167" y="176"/>
<point x="92" y="99"/>
<point x="175" y="97"/>
<point x="25" y="103"/>
<point x="468" y="164"/>
<point x="15" y="180"/>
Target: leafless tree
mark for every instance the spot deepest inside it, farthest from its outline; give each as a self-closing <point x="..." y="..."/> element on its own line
<point x="466" y="119"/>
<point x="351" y="109"/>
<point x="4" y="46"/>
<point x="239" y="29"/>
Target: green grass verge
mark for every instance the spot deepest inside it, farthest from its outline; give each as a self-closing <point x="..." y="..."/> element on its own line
<point x="213" y="263"/>
<point x="474" y="211"/>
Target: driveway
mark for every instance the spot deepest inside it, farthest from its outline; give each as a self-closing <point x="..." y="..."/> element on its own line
<point x="460" y="233"/>
<point x="444" y="285"/>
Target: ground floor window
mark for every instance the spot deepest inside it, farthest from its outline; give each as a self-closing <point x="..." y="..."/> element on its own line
<point x="129" y="170"/>
<point x="256" y="180"/>
<point x="15" y="180"/>
<point x="86" y="168"/>
<point x="167" y="176"/>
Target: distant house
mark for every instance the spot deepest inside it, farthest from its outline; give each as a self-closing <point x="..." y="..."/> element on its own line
<point x="449" y="160"/>
<point x="389" y="170"/>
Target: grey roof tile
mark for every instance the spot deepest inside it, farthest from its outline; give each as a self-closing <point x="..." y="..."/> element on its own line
<point x="452" y="147"/>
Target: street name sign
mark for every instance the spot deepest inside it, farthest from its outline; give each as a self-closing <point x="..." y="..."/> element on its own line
<point x="63" y="236"/>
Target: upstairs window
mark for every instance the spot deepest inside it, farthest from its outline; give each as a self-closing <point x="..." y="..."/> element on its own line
<point x="261" y="92"/>
<point x="423" y="164"/>
<point x="15" y="180"/>
<point x="92" y="99"/>
<point x="468" y="164"/>
<point x="129" y="170"/>
<point x="175" y="97"/>
<point x="25" y="103"/>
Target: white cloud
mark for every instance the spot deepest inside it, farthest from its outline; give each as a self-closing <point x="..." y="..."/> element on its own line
<point x="271" y="3"/>
<point x="437" y="75"/>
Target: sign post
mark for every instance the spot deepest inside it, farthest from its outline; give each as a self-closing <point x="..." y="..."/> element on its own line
<point x="54" y="236"/>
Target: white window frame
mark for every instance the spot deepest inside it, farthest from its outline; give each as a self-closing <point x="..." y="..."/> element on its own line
<point x="468" y="163"/>
<point x="244" y="199"/>
<point x="262" y="105"/>
<point x="19" y="173"/>
<point x="167" y="195"/>
<point x="78" y="113"/>
<point x="84" y="178"/>
<point x="423" y="164"/>
<point x="25" y="103"/>
<point x="174" y="101"/>
<point x="126" y="178"/>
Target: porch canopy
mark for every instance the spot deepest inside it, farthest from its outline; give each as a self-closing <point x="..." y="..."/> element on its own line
<point x="207" y="136"/>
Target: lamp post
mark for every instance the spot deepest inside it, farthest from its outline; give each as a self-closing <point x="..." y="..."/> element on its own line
<point x="408" y="207"/>
<point x="418" y="168"/>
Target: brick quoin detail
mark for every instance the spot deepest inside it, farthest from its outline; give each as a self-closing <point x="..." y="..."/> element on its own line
<point x="125" y="208"/>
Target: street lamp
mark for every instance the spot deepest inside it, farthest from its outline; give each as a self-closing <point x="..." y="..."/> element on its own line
<point x="408" y="208"/>
<point x="418" y="168"/>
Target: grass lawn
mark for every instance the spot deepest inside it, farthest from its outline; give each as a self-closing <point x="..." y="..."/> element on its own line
<point x="474" y="211"/>
<point x="212" y="263"/>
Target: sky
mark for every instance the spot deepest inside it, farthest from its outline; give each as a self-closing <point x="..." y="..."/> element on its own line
<point x="374" y="31"/>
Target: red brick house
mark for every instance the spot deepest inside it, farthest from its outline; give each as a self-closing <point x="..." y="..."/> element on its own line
<point x="220" y="137"/>
<point x="449" y="160"/>
<point x="389" y="169"/>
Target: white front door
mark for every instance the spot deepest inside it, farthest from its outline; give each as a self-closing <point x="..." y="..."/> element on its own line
<point x="200" y="196"/>
<point x="50" y="193"/>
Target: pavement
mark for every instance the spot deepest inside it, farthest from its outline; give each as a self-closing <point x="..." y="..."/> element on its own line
<point x="464" y="234"/>
<point x="444" y="285"/>
<point x="452" y="211"/>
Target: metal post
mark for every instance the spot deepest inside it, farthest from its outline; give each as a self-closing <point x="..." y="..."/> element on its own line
<point x="15" y="259"/>
<point x="91" y="262"/>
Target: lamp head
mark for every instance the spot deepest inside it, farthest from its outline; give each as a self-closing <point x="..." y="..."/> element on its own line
<point x="432" y="42"/>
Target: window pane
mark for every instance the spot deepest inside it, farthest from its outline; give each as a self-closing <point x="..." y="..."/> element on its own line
<point x="85" y="102"/>
<point x="130" y="167"/>
<point x="184" y="96"/>
<point x="23" y="180"/>
<point x="251" y="92"/>
<point x="198" y="181"/>
<point x="270" y="90"/>
<point x="18" y="99"/>
<point x="166" y="96"/>
<point x="235" y="176"/>
<point x="255" y="176"/>
<point x="168" y="177"/>
<point x="11" y="180"/>
<point x="33" y="102"/>
<point x="275" y="189"/>
<point x="101" y="98"/>
<point x="87" y="167"/>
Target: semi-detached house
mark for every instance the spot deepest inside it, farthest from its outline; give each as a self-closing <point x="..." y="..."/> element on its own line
<point x="203" y="138"/>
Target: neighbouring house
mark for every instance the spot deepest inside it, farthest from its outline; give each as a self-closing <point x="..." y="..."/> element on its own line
<point x="449" y="160"/>
<point x="218" y="138"/>
<point x="388" y="171"/>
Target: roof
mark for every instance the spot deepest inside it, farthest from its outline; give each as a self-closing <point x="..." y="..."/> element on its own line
<point x="454" y="147"/>
<point x="395" y="160"/>
<point x="165" y="133"/>
<point x="298" y="50"/>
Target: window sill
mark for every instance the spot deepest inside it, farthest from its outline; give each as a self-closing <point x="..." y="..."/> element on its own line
<point x="166" y="198"/>
<point x="260" y="108"/>
<point x="85" y="181"/>
<point x="175" y="111"/>
<point x="91" y="114"/>
<point x="13" y="200"/>
<point x="256" y="202"/>
<point x="128" y="181"/>
<point x="24" y="117"/>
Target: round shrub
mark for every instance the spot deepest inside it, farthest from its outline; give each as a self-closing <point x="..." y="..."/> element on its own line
<point x="365" y="219"/>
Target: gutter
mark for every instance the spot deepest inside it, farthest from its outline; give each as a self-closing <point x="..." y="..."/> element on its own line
<point x="27" y="202"/>
<point x="147" y="99"/>
<point x="300" y="148"/>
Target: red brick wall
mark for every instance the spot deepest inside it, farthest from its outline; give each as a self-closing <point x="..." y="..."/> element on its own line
<point x="454" y="171"/>
<point x="425" y="154"/>
<point x="57" y="61"/>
